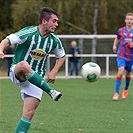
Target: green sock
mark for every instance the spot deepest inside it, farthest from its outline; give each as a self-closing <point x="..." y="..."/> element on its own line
<point x="23" y="125"/>
<point x="39" y="81"/>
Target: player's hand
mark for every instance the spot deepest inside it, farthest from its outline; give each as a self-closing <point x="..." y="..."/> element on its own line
<point x="131" y="45"/>
<point x="114" y="48"/>
<point x="51" y="77"/>
<point x="50" y="80"/>
<point x="1" y="55"/>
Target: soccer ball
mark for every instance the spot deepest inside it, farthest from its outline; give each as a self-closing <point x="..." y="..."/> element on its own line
<point x="90" y="71"/>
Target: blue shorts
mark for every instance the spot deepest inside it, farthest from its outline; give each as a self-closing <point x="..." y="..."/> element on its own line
<point x="124" y="63"/>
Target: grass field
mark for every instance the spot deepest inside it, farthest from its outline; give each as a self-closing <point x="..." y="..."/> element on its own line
<point x="83" y="108"/>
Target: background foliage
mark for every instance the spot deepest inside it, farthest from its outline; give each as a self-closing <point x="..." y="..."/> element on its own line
<point x="76" y="17"/>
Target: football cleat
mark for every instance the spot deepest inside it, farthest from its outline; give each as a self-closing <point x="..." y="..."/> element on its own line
<point x="115" y="97"/>
<point x="55" y="95"/>
<point x="124" y="94"/>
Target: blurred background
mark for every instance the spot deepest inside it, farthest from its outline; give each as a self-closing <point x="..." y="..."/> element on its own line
<point x="95" y="21"/>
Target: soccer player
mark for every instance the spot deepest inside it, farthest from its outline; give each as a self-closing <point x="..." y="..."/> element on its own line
<point x="124" y="55"/>
<point x="33" y="46"/>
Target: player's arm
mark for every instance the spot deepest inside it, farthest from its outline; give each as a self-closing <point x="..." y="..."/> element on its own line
<point x="51" y="76"/>
<point x="116" y="41"/>
<point x="131" y="43"/>
<point x="3" y="45"/>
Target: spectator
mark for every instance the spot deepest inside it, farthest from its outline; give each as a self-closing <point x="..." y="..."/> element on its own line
<point x="74" y="60"/>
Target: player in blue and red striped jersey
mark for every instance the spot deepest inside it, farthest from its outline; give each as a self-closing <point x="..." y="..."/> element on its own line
<point x="124" y="55"/>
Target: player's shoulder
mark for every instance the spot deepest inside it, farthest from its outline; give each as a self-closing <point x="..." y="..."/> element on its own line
<point x="54" y="37"/>
<point x="122" y="28"/>
<point x="27" y="31"/>
<point x="29" y="28"/>
<point x="132" y="29"/>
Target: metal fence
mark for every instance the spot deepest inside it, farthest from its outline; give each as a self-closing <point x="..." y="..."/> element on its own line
<point x="101" y="53"/>
<point x="107" y="62"/>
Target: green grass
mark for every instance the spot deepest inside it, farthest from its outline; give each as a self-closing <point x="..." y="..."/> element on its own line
<point x="84" y="108"/>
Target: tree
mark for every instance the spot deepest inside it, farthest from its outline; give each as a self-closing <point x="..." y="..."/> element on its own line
<point x="25" y="13"/>
<point x="94" y="41"/>
<point x="5" y="19"/>
<point x="76" y="16"/>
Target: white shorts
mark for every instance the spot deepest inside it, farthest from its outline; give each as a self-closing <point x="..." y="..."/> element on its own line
<point x="27" y="87"/>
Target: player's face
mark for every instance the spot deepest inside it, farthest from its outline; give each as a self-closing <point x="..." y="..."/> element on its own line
<point x="51" y="24"/>
<point x="129" y="21"/>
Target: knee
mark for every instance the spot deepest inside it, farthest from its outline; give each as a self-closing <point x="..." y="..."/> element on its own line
<point x="120" y="75"/>
<point x="24" y="66"/>
<point x="128" y="76"/>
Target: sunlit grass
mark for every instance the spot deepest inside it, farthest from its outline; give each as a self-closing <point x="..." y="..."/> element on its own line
<point x="84" y="108"/>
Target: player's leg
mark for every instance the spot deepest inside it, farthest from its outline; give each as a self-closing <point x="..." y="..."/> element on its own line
<point x="127" y="79"/>
<point x="127" y="82"/>
<point x="31" y="96"/>
<point x="29" y="108"/>
<point x="24" y="72"/>
<point x="120" y="74"/>
<point x="121" y="70"/>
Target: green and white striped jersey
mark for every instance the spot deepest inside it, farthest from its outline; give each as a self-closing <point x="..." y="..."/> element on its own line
<point x="32" y="47"/>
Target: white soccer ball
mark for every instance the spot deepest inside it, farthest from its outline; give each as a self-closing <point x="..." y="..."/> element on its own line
<point x="90" y="71"/>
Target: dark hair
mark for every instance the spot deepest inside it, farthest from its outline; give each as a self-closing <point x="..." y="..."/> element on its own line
<point x="46" y="13"/>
